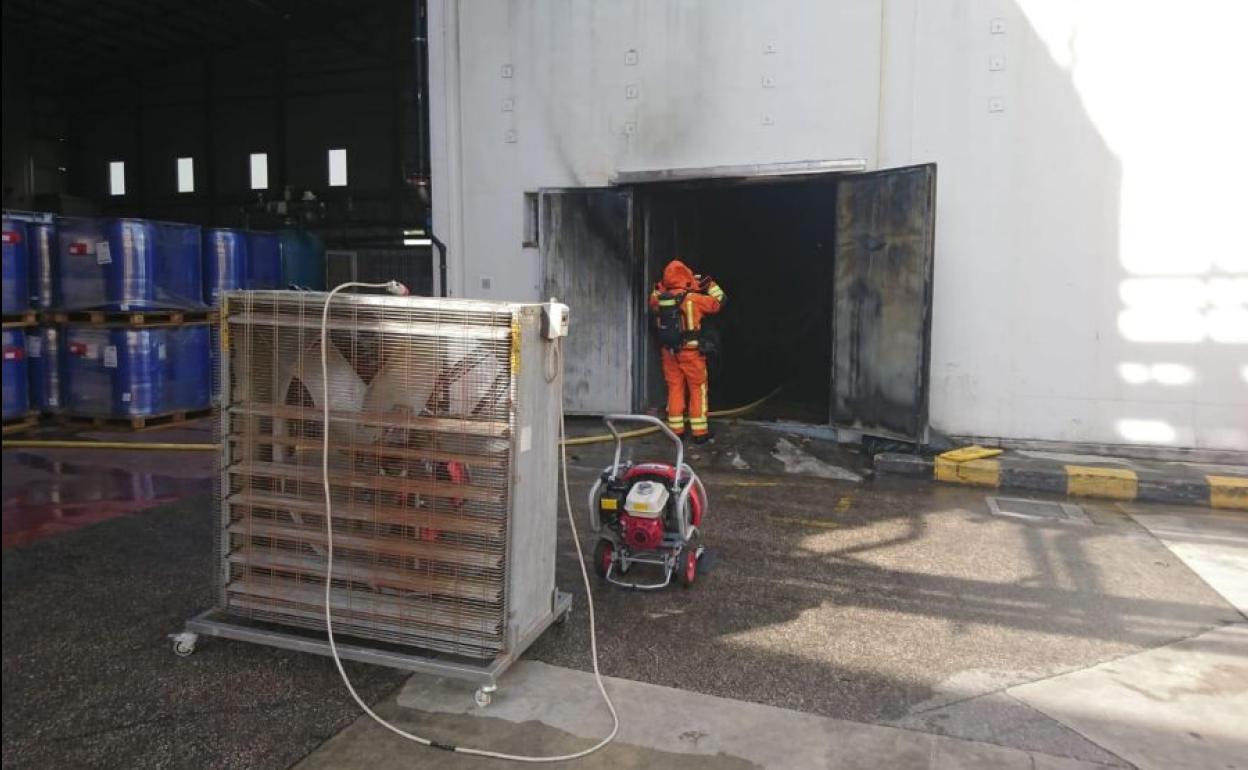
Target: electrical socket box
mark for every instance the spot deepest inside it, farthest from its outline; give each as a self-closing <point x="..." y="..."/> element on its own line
<point x="555" y="317"/>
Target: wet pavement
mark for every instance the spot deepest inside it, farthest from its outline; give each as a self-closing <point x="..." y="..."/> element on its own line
<point x="887" y="602"/>
<point x="49" y="492"/>
<point x="90" y="678"/>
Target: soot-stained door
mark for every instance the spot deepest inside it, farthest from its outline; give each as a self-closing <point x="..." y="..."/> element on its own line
<point x="882" y="301"/>
<point x="586" y="245"/>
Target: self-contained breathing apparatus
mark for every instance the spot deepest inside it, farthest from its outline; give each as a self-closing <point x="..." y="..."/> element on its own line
<point x="672" y="328"/>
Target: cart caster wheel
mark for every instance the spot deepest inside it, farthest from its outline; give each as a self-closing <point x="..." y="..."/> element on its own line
<point x="484" y="696"/>
<point x="184" y="643"/>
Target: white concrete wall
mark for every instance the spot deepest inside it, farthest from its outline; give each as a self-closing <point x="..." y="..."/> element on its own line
<point x="546" y="96"/>
<point x="1091" y="282"/>
<point x="1091" y="277"/>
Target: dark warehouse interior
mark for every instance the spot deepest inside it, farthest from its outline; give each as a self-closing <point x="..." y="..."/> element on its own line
<point x="770" y="245"/>
<point x="228" y="85"/>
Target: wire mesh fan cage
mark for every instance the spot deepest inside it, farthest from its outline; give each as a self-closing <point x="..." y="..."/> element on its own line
<point x="425" y="428"/>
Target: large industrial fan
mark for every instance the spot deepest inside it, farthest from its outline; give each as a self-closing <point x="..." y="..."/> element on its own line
<point x="443" y="431"/>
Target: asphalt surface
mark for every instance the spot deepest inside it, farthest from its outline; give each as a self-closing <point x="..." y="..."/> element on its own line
<point x="887" y="601"/>
<point x="90" y="679"/>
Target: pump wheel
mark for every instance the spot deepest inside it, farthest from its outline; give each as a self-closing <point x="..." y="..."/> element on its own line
<point x="687" y="565"/>
<point x="604" y="552"/>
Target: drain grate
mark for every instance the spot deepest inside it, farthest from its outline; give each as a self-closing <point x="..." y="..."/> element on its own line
<point x="1026" y="508"/>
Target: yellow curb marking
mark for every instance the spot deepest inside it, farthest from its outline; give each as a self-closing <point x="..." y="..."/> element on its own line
<point x="1093" y="481"/>
<point x="1228" y="492"/>
<point x="968" y="453"/>
<point x="980" y="473"/>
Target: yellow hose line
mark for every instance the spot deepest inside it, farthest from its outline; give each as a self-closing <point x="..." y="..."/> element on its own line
<point x="123" y="445"/>
<point x="605" y="437"/>
<point x="582" y="440"/>
<point x="740" y="410"/>
<point x="169" y="447"/>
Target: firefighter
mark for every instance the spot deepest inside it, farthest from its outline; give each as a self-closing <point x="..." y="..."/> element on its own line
<point x="679" y="302"/>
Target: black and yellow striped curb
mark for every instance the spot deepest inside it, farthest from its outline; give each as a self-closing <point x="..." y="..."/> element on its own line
<point x="1115" y="483"/>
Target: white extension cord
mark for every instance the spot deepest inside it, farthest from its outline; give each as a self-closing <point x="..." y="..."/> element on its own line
<point x="394" y="287"/>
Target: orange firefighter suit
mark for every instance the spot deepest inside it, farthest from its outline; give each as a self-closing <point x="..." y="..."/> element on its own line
<point x="685" y="367"/>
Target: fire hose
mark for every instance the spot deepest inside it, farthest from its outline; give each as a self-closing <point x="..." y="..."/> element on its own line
<point x="207" y="447"/>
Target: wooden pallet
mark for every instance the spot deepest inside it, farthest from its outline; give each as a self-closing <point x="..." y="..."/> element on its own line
<point x="135" y="422"/>
<point x="20" y="424"/>
<point x="132" y="318"/>
<point x="15" y="320"/>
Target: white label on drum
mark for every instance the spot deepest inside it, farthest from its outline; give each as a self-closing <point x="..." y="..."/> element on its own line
<point x="110" y="356"/>
<point x="125" y="397"/>
<point x="53" y="400"/>
<point x="34" y="346"/>
<point x="103" y="256"/>
<point x="526" y="438"/>
<point x="161" y="353"/>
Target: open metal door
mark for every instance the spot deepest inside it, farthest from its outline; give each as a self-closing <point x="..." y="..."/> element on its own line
<point x="882" y="301"/>
<point x="586" y="244"/>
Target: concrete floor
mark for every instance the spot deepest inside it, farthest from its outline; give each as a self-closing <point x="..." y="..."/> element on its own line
<point x="90" y="679"/>
<point x="902" y="605"/>
<point x="548" y="710"/>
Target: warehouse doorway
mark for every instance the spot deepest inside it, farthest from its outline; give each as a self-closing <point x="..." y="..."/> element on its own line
<point x="828" y="280"/>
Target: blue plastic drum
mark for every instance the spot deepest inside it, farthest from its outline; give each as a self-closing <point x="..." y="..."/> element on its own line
<point x="44" y="361"/>
<point x="42" y="251"/>
<point x="16" y="396"/>
<point x="129" y="264"/>
<point x="189" y="376"/>
<point x="225" y="263"/>
<point x="15" y="296"/>
<point x="264" y="261"/>
<point x="115" y="372"/>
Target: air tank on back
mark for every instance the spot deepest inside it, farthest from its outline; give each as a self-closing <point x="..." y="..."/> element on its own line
<point x="129" y="264"/>
<point x="15" y="295"/>
<point x="225" y="262"/>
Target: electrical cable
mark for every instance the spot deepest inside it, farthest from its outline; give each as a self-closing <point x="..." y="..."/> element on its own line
<point x="394" y="287"/>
